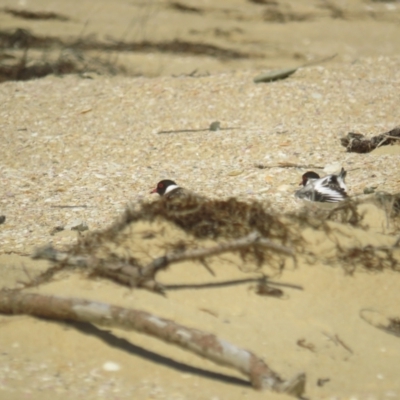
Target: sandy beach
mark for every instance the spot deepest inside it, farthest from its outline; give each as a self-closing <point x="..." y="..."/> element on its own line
<point x="84" y="146"/>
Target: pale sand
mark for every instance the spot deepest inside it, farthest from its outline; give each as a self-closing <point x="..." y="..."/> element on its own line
<point x="94" y="142"/>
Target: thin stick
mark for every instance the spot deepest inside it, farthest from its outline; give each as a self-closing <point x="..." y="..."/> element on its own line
<point x="381" y="142"/>
<point x="392" y="137"/>
<point x="195" y="130"/>
<point x="343" y="344"/>
<point x="336" y="339"/>
<point x="288" y="165"/>
<point x="82" y="206"/>
<point x="210" y="285"/>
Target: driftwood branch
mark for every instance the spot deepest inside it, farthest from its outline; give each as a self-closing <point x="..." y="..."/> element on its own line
<point x="124" y="271"/>
<point x="250" y="240"/>
<point x="199" y="342"/>
<point x="130" y="273"/>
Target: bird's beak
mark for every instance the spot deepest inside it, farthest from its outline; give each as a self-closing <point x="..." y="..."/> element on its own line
<point x="154" y="191"/>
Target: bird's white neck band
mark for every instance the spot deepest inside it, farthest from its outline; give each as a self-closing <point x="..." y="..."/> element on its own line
<point x="171" y="188"/>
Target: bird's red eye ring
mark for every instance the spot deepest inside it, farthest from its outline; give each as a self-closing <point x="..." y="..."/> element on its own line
<point x="160" y="185"/>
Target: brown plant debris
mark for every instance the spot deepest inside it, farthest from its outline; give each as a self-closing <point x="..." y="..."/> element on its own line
<point x="38" y="15"/>
<point x="22" y="38"/>
<point x="344" y="212"/>
<point x="287" y="165"/>
<point x="130" y="272"/>
<point x="76" y="55"/>
<point x="56" y="59"/>
<point x="381" y="321"/>
<point x="176" y="5"/>
<point x="264" y="288"/>
<point x="273" y="13"/>
<point x="336" y="12"/>
<point x="394" y="326"/>
<point x="321" y="381"/>
<point x="174" y="46"/>
<point x="263" y="231"/>
<point x="247" y="229"/>
<point x="22" y="71"/>
<point x="259" y="236"/>
<point x="199" y="342"/>
<point x="389" y="202"/>
<point x="338" y="341"/>
<point x="358" y="143"/>
<point x="306" y="345"/>
<point x="372" y="258"/>
<point x="265" y="2"/>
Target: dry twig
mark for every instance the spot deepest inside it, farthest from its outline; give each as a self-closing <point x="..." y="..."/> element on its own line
<point x="252" y="239"/>
<point x="288" y="165"/>
<point x="338" y="341"/>
<point x="129" y="272"/>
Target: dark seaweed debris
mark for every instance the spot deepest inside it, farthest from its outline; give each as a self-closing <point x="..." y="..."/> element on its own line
<point x="221" y="220"/>
<point x="358" y="143"/>
<point x="76" y="55"/>
<point x="35" y="15"/>
<point x="201" y="219"/>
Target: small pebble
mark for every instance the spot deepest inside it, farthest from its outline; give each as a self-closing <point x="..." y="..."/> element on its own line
<point x="56" y="229"/>
<point x="284" y="188"/>
<point x="111" y="366"/>
<point x="369" y="190"/>
<point x="235" y="172"/>
<point x="316" y="95"/>
<point x="215" y="126"/>
<point x="77" y="225"/>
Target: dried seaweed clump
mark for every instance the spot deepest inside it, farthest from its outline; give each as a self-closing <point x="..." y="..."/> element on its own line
<point x="349" y="255"/>
<point x="257" y="234"/>
<point x="345" y="212"/>
<point x="201" y="218"/>
<point x="358" y="143"/>
<point x="204" y="218"/>
<point x="394" y="326"/>
<point x="374" y="259"/>
<point x="209" y="227"/>
<point x="28" y="56"/>
<point x="389" y="202"/>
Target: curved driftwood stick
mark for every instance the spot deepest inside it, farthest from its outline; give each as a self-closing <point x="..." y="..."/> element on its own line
<point x="199" y="342"/>
<point x="121" y="271"/>
<point x="130" y="273"/>
<point x="251" y="239"/>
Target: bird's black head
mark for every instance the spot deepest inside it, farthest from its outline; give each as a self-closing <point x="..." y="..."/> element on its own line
<point x="308" y="175"/>
<point x="162" y="186"/>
